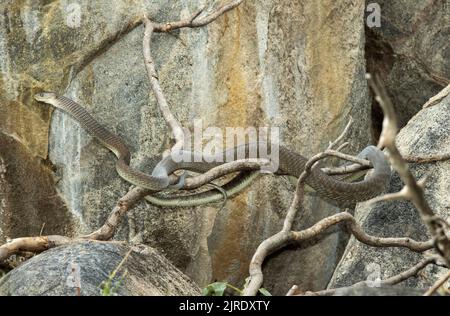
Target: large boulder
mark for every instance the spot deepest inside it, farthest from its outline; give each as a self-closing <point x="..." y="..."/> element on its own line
<point x="139" y="270"/>
<point x="426" y="134"/>
<point x="411" y="52"/>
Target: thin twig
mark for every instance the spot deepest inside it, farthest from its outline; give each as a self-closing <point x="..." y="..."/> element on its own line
<point x="42" y="229"/>
<point x="173" y="123"/>
<point x="358" y="167"/>
<point x="438" y="284"/>
<point x="427" y="159"/>
<point x="345" y="169"/>
<point x="224" y="169"/>
<point x="356" y="230"/>
<point x="196" y="21"/>
<point x="339" y="139"/>
<point x="438" y="97"/>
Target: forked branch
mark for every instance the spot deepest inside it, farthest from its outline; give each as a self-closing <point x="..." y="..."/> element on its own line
<point x="196" y="20"/>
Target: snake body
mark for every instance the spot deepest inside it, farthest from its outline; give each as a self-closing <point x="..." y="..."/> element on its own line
<point x="290" y="163"/>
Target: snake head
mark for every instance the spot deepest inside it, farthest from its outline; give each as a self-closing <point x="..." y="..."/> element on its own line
<point x="46" y="97"/>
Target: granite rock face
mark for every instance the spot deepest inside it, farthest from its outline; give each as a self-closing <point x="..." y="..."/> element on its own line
<point x="43" y="45"/>
<point x="426" y="134"/>
<point x="297" y="65"/>
<point x="29" y="203"/>
<point x="411" y="52"/>
<point x="140" y="270"/>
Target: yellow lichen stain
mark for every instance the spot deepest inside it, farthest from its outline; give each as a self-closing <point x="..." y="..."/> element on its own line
<point x="230" y="257"/>
<point x="231" y="78"/>
<point x="239" y="106"/>
<point x="26" y="126"/>
<point x="24" y="118"/>
<point x="50" y="11"/>
<point x="88" y="85"/>
<point x="331" y="58"/>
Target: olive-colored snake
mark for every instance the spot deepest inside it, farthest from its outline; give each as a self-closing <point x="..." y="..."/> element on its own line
<point x="290" y="163"/>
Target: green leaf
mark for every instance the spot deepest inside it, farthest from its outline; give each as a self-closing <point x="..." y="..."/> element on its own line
<point x="219" y="288"/>
<point x="215" y="289"/>
<point x="206" y="292"/>
<point x="264" y="292"/>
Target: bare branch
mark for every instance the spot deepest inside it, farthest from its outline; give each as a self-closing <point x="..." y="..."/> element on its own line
<point x="351" y="158"/>
<point x="222" y="170"/>
<point x="345" y="169"/>
<point x="273" y="243"/>
<point x="413" y="271"/>
<point x="403" y="194"/>
<point x="293" y="291"/>
<point x="196" y="21"/>
<point x="193" y="21"/>
<point x="174" y="125"/>
<point x="284" y="236"/>
<point x="427" y="159"/>
<point x="356" y="230"/>
<point x="341" y="136"/>
<point x="32" y="244"/>
<point x="344" y="145"/>
<point x="438" y="284"/>
<point x="438" y="97"/>
<point x="106" y="232"/>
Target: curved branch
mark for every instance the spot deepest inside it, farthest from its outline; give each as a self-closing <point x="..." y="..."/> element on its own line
<point x="196" y="21"/>
<point x="174" y="125"/>
<point x="356" y="230"/>
<point x="438" y="284"/>
<point x="222" y="170"/>
<point x="413" y="271"/>
<point x="32" y="244"/>
<point x="123" y="205"/>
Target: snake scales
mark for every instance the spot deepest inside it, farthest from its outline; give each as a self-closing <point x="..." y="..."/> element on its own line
<point x="290" y="163"/>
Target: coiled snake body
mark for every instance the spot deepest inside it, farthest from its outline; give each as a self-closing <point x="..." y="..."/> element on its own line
<point x="290" y="163"/>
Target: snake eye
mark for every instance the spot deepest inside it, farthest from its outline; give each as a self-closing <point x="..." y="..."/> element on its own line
<point x="44" y="96"/>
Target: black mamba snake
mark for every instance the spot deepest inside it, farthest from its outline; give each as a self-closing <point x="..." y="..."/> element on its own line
<point x="290" y="163"/>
